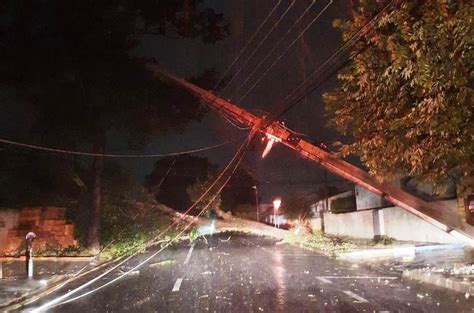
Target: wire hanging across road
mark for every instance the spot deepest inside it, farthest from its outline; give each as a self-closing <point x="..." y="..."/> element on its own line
<point x="155" y="253"/>
<point x="62" y="299"/>
<point x="105" y="155"/>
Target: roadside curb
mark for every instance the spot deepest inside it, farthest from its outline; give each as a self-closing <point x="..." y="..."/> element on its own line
<point x="403" y="251"/>
<point x="49" y="258"/>
<point x="440" y="280"/>
<point x="407" y="251"/>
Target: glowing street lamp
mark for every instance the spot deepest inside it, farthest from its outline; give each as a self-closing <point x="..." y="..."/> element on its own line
<point x="276" y="206"/>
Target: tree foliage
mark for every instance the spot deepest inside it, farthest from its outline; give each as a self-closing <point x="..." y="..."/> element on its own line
<point x="72" y="62"/>
<point x="297" y="208"/>
<point x="211" y="202"/>
<point x="406" y="98"/>
<point x="239" y="191"/>
<point x="172" y="177"/>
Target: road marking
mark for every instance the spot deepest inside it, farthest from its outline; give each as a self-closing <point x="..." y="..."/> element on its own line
<point x="188" y="256"/>
<point x="356" y="297"/>
<point x="360" y="277"/>
<point x="324" y="280"/>
<point x="177" y="284"/>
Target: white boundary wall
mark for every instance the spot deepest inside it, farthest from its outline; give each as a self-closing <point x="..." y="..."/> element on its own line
<point x="393" y="222"/>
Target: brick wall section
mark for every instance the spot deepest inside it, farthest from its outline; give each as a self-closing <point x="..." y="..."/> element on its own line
<point x="48" y="223"/>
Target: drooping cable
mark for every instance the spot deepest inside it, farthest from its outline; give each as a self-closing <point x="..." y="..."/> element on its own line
<point x="259" y="45"/>
<point x="166" y="175"/>
<point x="158" y="251"/>
<point x="236" y="90"/>
<point x="304" y="88"/>
<point x="60" y="299"/>
<point x="246" y="45"/>
<point x="301" y="34"/>
<point x="105" y="155"/>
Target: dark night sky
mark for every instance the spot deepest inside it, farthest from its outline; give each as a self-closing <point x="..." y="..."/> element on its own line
<point x="282" y="172"/>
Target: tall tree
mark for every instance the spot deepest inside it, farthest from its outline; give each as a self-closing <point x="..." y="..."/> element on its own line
<point x="211" y="202"/>
<point x="71" y="61"/>
<point x="172" y="176"/>
<point x="407" y="98"/>
<point x="239" y="190"/>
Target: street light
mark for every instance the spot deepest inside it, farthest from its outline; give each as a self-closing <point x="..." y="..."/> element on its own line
<point x="276" y="206"/>
<point x="256" y="201"/>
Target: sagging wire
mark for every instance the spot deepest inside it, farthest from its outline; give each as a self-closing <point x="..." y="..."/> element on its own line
<point x="313" y="2"/>
<point x="301" y="34"/>
<point x="105" y="155"/>
<point x="303" y="85"/>
<point x="158" y="251"/>
<point x="58" y="301"/>
<point x="166" y="175"/>
<point x="247" y="44"/>
<point x="234" y="124"/>
<point x="259" y="45"/>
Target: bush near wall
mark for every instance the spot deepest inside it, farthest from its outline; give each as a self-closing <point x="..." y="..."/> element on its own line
<point x="343" y="205"/>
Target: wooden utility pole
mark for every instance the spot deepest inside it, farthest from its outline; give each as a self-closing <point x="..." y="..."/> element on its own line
<point x="432" y="213"/>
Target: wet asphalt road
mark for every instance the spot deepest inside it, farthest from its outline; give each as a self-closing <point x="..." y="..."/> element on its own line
<point x="253" y="274"/>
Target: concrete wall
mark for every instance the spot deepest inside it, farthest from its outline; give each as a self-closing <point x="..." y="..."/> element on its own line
<point x="315" y="224"/>
<point x="393" y="222"/>
<point x="401" y="225"/>
<point x="8" y="220"/>
<point x="354" y="224"/>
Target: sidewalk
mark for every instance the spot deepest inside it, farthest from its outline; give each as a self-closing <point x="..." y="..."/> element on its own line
<point x="16" y="287"/>
<point x="446" y="266"/>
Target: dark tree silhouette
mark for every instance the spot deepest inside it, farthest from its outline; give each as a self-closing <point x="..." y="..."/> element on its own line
<point x="71" y="62"/>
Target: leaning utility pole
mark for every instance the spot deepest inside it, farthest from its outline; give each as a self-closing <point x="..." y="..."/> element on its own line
<point x="432" y="213"/>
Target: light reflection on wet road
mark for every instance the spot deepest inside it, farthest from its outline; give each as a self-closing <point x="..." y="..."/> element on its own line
<point x="253" y="274"/>
<point x="279" y="273"/>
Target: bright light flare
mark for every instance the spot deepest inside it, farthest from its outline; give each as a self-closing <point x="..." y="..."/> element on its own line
<point x="268" y="148"/>
<point x="271" y="140"/>
<point x="277" y="203"/>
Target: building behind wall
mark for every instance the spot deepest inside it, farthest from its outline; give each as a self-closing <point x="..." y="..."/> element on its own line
<point x="320" y="206"/>
<point x="366" y="200"/>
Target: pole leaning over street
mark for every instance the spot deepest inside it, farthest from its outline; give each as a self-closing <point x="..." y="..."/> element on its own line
<point x="432" y="213"/>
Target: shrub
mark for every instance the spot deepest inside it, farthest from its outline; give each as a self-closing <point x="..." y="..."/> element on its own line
<point x="343" y="205"/>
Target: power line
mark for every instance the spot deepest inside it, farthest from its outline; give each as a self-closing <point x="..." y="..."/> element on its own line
<point x="312" y="3"/>
<point x="260" y="44"/>
<point x="104" y="155"/>
<point x="166" y="175"/>
<point x="58" y="301"/>
<point x="247" y="44"/>
<point x="306" y="89"/>
<point x="234" y="124"/>
<point x="154" y="254"/>
<point x="284" y="52"/>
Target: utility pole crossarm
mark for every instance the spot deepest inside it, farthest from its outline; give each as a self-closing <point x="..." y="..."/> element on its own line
<point x="430" y="212"/>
